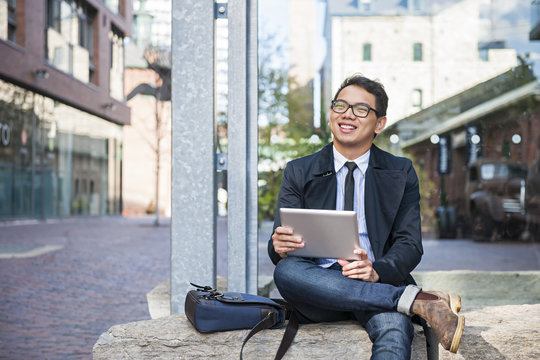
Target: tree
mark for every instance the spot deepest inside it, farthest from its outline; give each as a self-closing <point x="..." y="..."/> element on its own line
<point x="286" y="128"/>
<point x="158" y="60"/>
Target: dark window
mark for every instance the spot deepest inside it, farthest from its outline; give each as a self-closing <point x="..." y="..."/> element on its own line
<point x="416" y="100"/>
<point x="417" y="52"/>
<point x="418" y="5"/>
<point x="506" y="149"/>
<point x="63" y="46"/>
<point x="53" y="15"/>
<point x="473" y="174"/>
<point x="86" y="27"/>
<point x="12" y="23"/>
<point x="366" y="53"/>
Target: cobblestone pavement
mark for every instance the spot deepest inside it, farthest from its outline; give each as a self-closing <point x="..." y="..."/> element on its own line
<point x="63" y="283"/>
<point x="55" y="305"/>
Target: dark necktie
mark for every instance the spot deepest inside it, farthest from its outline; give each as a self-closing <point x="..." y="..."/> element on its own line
<point x="349" y="186"/>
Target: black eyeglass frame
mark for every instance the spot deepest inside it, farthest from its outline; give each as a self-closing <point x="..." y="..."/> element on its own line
<point x="349" y="106"/>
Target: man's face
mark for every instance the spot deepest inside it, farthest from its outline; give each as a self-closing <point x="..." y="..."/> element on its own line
<point x="354" y="135"/>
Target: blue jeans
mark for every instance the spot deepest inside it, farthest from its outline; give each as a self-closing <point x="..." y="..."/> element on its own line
<point x="324" y="295"/>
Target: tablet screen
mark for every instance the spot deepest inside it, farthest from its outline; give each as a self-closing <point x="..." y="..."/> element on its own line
<point x="326" y="233"/>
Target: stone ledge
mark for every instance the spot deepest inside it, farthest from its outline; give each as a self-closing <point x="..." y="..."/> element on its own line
<point x="174" y="337"/>
<point x="499" y="332"/>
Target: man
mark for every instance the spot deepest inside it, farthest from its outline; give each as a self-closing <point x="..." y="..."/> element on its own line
<point x="377" y="290"/>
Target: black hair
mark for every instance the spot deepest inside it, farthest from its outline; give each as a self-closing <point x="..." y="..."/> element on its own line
<point x="371" y="86"/>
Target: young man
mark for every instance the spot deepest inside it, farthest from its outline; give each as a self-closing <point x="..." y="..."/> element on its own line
<point x="377" y="290"/>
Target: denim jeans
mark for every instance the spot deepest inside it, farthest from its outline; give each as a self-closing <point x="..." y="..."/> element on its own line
<point x="324" y="295"/>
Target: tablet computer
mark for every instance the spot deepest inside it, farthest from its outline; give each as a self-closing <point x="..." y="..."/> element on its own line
<point x="326" y="233"/>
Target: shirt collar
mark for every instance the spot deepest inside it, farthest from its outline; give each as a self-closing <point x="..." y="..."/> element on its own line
<point x="362" y="162"/>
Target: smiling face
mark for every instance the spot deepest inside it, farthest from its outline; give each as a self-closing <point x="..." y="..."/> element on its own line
<point x="353" y="135"/>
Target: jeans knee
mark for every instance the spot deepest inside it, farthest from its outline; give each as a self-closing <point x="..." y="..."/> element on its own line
<point x="282" y="273"/>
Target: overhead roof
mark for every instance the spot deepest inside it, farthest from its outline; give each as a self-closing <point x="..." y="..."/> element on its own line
<point x="467" y="106"/>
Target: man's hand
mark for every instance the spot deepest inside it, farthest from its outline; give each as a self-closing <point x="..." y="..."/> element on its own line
<point x="284" y="241"/>
<point x="359" y="269"/>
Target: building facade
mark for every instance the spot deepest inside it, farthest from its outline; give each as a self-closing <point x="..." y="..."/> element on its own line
<point x="497" y="120"/>
<point x="149" y="121"/>
<point x="62" y="106"/>
<point x="421" y="54"/>
<point x="147" y="140"/>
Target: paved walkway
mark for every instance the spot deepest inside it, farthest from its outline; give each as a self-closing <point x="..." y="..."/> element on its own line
<point x="55" y="305"/>
<point x="63" y="283"/>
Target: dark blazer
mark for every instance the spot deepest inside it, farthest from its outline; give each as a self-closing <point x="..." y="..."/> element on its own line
<point x="392" y="206"/>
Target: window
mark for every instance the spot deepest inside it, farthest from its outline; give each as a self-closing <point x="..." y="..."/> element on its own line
<point x="366" y="52"/>
<point x="113" y="5"/>
<point x="473" y="174"/>
<point x="417" y="5"/>
<point x="69" y="37"/>
<point x="417" y="52"/>
<point x="86" y="17"/>
<point x="74" y="156"/>
<point x="116" y="72"/>
<point x="365" y="5"/>
<point x="416" y="100"/>
<point x="8" y="23"/>
<point x="506" y="148"/>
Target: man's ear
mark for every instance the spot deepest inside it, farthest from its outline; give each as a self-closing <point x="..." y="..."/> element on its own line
<point x="381" y="123"/>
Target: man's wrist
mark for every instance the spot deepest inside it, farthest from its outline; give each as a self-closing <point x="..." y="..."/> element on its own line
<point x="376" y="277"/>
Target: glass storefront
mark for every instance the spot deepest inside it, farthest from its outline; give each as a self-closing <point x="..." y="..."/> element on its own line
<point x="55" y="160"/>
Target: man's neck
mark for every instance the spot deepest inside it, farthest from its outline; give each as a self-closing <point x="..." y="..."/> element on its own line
<point x="353" y="152"/>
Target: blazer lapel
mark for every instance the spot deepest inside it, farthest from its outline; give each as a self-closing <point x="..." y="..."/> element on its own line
<point x="320" y="186"/>
<point x="383" y="192"/>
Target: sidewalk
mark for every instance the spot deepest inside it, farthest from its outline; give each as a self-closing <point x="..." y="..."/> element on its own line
<point x="55" y="305"/>
<point x="65" y="282"/>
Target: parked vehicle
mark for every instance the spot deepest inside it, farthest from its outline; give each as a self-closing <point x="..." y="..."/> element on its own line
<point x="495" y="199"/>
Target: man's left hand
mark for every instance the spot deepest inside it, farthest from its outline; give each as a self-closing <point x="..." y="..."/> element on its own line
<point x="359" y="269"/>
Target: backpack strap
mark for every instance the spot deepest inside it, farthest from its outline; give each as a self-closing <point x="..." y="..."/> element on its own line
<point x="288" y="336"/>
<point x="269" y="321"/>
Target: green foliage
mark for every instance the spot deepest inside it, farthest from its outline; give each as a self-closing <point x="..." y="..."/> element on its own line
<point x="286" y="131"/>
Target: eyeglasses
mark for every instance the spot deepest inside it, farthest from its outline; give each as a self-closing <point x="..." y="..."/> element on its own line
<point x="359" y="110"/>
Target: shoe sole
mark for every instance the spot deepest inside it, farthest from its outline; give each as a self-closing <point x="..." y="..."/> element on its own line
<point x="457" y="334"/>
<point x="455" y="303"/>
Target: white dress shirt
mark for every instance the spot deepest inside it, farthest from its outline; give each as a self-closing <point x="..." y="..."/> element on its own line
<point x="359" y="186"/>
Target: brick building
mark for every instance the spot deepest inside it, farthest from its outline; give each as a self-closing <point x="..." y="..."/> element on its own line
<point x="503" y="113"/>
<point x="62" y="105"/>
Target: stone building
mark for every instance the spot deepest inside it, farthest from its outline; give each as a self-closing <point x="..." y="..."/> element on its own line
<point x="422" y="51"/>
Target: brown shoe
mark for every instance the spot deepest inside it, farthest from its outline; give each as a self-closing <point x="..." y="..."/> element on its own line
<point x="436" y="310"/>
<point x="454" y="301"/>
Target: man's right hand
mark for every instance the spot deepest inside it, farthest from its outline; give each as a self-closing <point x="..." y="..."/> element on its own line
<point x="284" y="241"/>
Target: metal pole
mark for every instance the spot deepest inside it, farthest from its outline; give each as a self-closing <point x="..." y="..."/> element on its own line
<point x="193" y="235"/>
<point x="252" y="145"/>
<point x="237" y="151"/>
<point x="242" y="153"/>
